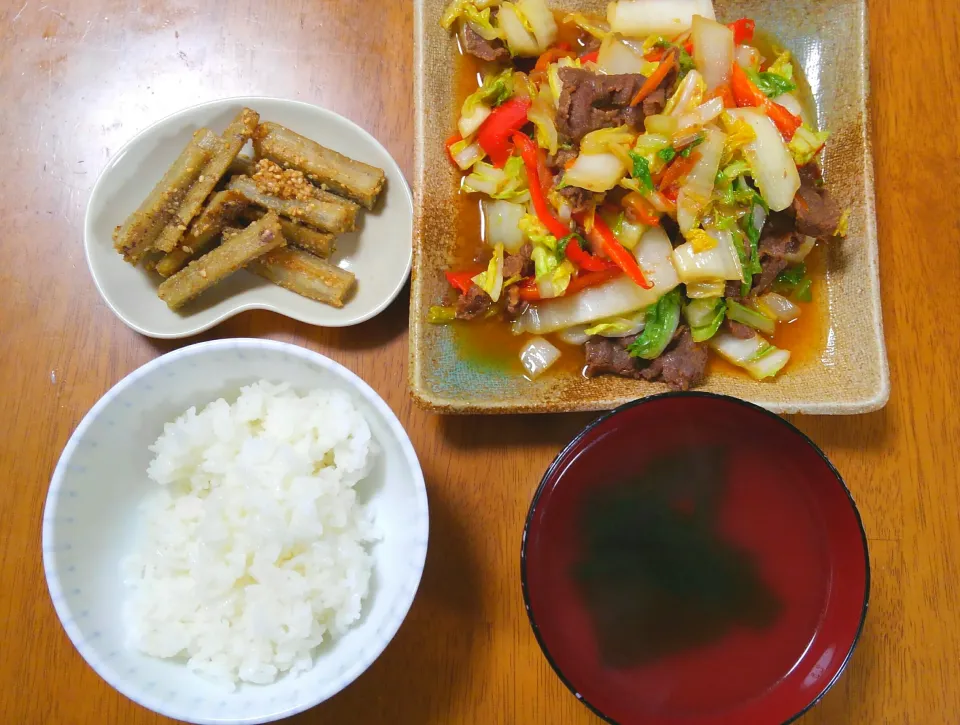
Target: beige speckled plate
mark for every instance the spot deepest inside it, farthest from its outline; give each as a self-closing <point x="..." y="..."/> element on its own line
<point x="850" y="374"/>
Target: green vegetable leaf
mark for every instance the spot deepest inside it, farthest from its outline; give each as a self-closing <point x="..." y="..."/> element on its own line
<point x="514" y="180"/>
<point x="617" y="226"/>
<point x="722" y="220"/>
<point x="469" y="11"/>
<point x="745" y="193"/>
<point x="496" y="89"/>
<point x="641" y="170"/>
<point x="544" y="260"/>
<point x="792" y="276"/>
<point x="752" y="264"/>
<point x="750" y="317"/>
<point x="689" y="149"/>
<point x="771" y="84"/>
<point x="537" y="232"/>
<point x="734" y="190"/>
<point x="735" y="170"/>
<point x="491" y="279"/>
<point x="667" y="154"/>
<point x="705" y="317"/>
<point x="553" y="270"/>
<point x="686" y="62"/>
<point x="783" y="65"/>
<point x="795" y="283"/>
<point x="562" y="244"/>
<point x="753" y="234"/>
<point x="616" y="326"/>
<point x="662" y="319"/>
<point x="806" y="144"/>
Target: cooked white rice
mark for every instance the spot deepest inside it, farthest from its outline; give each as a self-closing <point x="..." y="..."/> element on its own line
<point x="254" y="548"/>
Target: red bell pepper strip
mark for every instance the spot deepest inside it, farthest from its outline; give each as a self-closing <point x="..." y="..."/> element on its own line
<point x="592" y="57"/>
<point x="742" y="30"/>
<point x="785" y="121"/>
<point x="461" y="281"/>
<point x="621" y="256"/>
<point x="456" y="138"/>
<point x="748" y="95"/>
<point x="554" y="54"/>
<point x="530" y="293"/>
<point x="584" y="260"/>
<point x="546" y="178"/>
<point x="494" y="135"/>
<point x="529" y="152"/>
<point x="530" y="155"/>
<point x="656" y="78"/>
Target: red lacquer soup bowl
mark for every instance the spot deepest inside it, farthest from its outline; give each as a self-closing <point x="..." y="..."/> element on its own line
<point x="692" y="559"/>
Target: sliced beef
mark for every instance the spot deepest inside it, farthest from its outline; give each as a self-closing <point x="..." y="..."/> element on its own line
<point x="683" y="365"/>
<point x="816" y="212"/>
<point x="479" y="47"/>
<point x="515" y="305"/>
<point x="654" y="104"/>
<point x="733" y="290"/>
<point x="771" y="268"/>
<point x="609" y="356"/>
<point x="739" y="330"/>
<point x="778" y="239"/>
<point x="519" y="264"/>
<point x="560" y="159"/>
<point x="578" y="198"/>
<point x="473" y="303"/>
<point x="672" y="230"/>
<point x="591" y="101"/>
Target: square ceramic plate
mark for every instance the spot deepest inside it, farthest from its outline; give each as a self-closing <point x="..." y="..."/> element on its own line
<point x="850" y="373"/>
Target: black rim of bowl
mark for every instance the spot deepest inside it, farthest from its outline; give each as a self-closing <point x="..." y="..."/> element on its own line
<point x="727" y="399"/>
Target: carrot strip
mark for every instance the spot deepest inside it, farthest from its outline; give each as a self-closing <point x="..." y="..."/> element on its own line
<point x="641" y="209"/>
<point x="680" y="167"/>
<point x="656" y="78"/>
<point x="552" y="55"/>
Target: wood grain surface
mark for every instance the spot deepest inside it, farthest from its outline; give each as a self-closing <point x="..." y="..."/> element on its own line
<point x="78" y="78"/>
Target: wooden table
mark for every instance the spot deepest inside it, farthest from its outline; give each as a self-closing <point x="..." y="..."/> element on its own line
<point x="78" y="78"/>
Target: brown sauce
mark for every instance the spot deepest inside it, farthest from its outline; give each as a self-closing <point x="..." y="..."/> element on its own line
<point x="490" y="342"/>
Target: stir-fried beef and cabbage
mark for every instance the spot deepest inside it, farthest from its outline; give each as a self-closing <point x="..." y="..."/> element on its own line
<point x="649" y="185"/>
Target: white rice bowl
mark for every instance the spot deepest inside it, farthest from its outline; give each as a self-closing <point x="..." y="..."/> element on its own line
<point x="255" y="548"/>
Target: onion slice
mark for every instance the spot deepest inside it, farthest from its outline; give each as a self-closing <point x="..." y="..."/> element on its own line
<point x="712" y="51"/>
<point x="779" y="307"/>
<point x="537" y="356"/>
